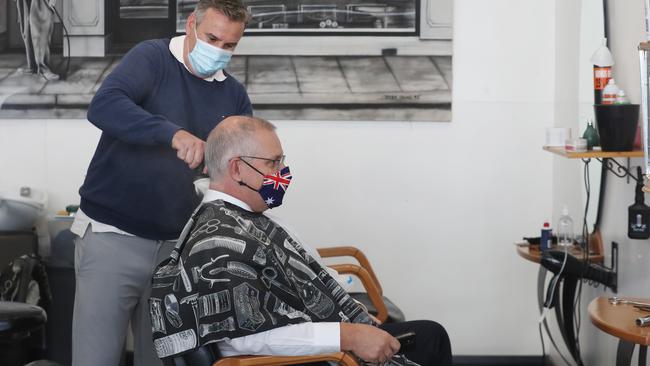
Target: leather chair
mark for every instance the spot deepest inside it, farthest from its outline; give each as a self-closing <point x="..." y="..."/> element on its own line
<point x="17" y="322"/>
<point x="377" y="304"/>
<point x="13" y="244"/>
<point x="209" y="356"/>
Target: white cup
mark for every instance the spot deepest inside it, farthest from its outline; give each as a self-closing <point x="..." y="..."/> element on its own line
<point x="557" y="136"/>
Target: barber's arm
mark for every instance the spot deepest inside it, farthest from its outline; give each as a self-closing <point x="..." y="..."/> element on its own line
<point x="115" y="108"/>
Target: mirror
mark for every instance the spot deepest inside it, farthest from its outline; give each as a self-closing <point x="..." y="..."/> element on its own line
<point x="592" y="32"/>
<point x="644" y="49"/>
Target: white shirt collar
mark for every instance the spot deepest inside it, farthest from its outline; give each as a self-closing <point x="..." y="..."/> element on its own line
<point x="211" y="195"/>
<point x="176" y="48"/>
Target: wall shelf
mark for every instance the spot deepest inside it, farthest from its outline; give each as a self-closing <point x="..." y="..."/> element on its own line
<point x="594" y="153"/>
<point x="608" y="158"/>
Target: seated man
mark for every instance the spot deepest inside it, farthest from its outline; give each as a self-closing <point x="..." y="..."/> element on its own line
<point x="238" y="278"/>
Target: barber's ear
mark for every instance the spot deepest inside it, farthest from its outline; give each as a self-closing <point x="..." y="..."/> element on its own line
<point x="189" y="24"/>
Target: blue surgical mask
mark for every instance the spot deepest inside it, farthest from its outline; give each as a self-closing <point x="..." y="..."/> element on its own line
<point x="207" y="59"/>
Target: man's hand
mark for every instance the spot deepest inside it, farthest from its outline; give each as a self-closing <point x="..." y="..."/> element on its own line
<point x="189" y="148"/>
<point x="374" y="319"/>
<point x="369" y="343"/>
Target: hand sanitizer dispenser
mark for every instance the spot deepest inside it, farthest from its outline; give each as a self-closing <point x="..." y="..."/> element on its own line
<point x="638" y="214"/>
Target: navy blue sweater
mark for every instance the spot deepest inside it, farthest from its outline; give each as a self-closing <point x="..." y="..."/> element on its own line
<point x="135" y="182"/>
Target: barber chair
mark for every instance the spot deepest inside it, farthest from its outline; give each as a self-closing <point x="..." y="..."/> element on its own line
<point x="22" y="325"/>
<point x="18" y="321"/>
<point x="13" y="244"/>
<point x="377" y="304"/>
<point x="208" y="355"/>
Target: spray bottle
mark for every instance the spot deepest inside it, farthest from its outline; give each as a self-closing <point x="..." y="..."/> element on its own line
<point x="603" y="62"/>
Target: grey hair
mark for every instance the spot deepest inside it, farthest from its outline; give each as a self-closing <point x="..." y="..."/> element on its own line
<point x="233" y="9"/>
<point x="227" y="142"/>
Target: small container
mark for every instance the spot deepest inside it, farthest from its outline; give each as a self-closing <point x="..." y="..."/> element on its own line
<point x="621" y="97"/>
<point x="610" y="92"/>
<point x="591" y="135"/>
<point x="577" y="145"/>
<point x="546" y="239"/>
<point x="556" y="136"/>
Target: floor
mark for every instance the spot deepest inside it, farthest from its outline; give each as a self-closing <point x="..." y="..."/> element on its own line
<point x="280" y="87"/>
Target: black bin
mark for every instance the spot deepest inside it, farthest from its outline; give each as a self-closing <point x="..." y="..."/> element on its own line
<point x="617" y="124"/>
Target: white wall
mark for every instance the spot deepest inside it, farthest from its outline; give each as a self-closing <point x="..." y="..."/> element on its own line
<point x="436" y="206"/>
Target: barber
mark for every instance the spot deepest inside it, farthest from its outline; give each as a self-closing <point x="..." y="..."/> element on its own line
<point x="155" y="110"/>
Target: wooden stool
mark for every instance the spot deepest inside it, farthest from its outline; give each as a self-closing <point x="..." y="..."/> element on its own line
<point x="620" y="321"/>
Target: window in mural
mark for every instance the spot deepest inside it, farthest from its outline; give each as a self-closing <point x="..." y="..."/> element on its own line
<point x="144" y="9"/>
<point x="321" y="15"/>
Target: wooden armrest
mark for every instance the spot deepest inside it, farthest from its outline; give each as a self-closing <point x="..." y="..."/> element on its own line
<point x="349" y="251"/>
<point x="372" y="290"/>
<point x="342" y="358"/>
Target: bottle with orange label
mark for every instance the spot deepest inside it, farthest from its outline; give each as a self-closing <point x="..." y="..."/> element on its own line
<point x="603" y="61"/>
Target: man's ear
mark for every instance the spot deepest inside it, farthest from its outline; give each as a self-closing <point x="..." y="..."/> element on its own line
<point x="190" y="23"/>
<point x="233" y="169"/>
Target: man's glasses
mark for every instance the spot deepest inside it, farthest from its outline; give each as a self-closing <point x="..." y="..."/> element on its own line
<point x="277" y="163"/>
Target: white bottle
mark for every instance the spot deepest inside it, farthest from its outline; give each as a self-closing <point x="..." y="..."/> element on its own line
<point x="565" y="228"/>
<point x="610" y="92"/>
<point x="621" y="98"/>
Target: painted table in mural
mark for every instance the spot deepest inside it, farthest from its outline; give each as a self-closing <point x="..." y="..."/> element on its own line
<point x="619" y="320"/>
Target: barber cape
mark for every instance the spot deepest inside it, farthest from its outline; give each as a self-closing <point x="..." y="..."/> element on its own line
<point x="235" y="273"/>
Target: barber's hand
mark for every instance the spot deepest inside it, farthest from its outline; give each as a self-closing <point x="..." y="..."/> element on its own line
<point x="189" y="148"/>
<point x="369" y="343"/>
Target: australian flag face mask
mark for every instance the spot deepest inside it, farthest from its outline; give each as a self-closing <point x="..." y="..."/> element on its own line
<point x="274" y="186"/>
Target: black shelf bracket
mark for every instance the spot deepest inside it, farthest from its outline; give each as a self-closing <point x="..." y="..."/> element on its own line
<point x="619" y="170"/>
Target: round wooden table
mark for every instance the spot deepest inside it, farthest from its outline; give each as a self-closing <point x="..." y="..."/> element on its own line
<point x="564" y="312"/>
<point x="620" y="321"/>
<point x="533" y="254"/>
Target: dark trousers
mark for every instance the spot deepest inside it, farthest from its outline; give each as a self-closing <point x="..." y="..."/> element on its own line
<point x="431" y="346"/>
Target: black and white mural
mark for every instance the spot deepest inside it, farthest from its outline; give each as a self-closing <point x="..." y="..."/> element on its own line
<point x="322" y="15"/>
<point x="303" y="59"/>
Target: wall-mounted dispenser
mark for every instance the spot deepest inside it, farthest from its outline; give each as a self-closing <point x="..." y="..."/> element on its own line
<point x="638" y="221"/>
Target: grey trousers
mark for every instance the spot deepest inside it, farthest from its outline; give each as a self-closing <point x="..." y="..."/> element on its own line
<point x="113" y="274"/>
